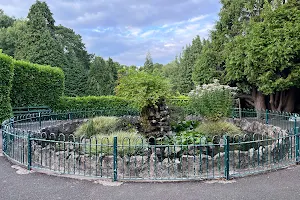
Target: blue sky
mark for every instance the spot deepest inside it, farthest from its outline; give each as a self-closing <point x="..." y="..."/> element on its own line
<point x="126" y="30"/>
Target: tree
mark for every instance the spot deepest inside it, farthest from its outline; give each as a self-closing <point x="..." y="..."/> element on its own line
<point x="205" y="68"/>
<point x="171" y="72"/>
<point x="5" y="21"/>
<point x="113" y="71"/>
<point x="148" y="93"/>
<point x="100" y="78"/>
<point x="186" y="69"/>
<point x="38" y="43"/>
<point x="10" y="36"/>
<point x="266" y="58"/>
<point x="148" y="65"/>
<point x="77" y="61"/>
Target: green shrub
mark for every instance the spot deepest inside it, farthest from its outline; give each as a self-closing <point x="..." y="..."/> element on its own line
<point x="218" y="128"/>
<point x="129" y="143"/>
<point x="96" y="103"/>
<point x="180" y="101"/>
<point x="97" y="125"/>
<point x="6" y="76"/>
<point x="184" y="126"/>
<point x="35" y="85"/>
<point x="143" y="89"/>
<point x="213" y="101"/>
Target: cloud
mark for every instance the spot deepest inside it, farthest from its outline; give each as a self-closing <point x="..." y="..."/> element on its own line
<point x="126" y="30"/>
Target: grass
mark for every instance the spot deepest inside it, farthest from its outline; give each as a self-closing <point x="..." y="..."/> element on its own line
<point x="98" y="125"/>
<point x="129" y="143"/>
<point x="218" y="128"/>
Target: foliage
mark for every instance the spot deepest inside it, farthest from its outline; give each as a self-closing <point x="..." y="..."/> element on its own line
<point x="148" y="65"/>
<point x="129" y="143"/>
<point x="184" y="126"/>
<point x="212" y="101"/>
<point x="98" y="125"/>
<point x="95" y="103"/>
<point x="190" y="137"/>
<point x="38" y="43"/>
<point x="205" y="68"/>
<point x="35" y="85"/>
<point x="181" y="101"/>
<point x="10" y="37"/>
<point x="143" y="89"/>
<point x="5" y="21"/>
<point x="77" y="61"/>
<point x="6" y="76"/>
<point x="101" y="78"/>
<point x="267" y="57"/>
<point x="218" y="128"/>
<point x="171" y="72"/>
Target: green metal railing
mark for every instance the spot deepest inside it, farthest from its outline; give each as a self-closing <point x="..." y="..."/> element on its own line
<point x="152" y="158"/>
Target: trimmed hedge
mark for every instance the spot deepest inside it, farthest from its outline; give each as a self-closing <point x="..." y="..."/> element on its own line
<point x="94" y="103"/>
<point x="36" y="85"/>
<point x="6" y="76"/>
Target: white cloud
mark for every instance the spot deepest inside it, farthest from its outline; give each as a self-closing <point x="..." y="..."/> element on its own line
<point x="198" y="18"/>
<point x="169" y="45"/>
<point x="126" y="30"/>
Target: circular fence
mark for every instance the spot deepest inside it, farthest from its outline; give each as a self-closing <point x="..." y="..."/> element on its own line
<point x="36" y="141"/>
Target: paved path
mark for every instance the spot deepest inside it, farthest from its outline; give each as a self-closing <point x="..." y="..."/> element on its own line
<point x="283" y="184"/>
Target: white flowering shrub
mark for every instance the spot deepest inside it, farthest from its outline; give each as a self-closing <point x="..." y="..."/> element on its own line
<point x="213" y="101"/>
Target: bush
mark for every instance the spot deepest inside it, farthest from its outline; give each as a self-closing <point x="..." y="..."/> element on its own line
<point x="96" y="103"/>
<point x="218" y="128"/>
<point x="35" y="85"/>
<point x="143" y="89"/>
<point x="129" y="143"/>
<point x="213" y="101"/>
<point x="97" y="125"/>
<point x="6" y="76"/>
<point x="184" y="126"/>
<point x="180" y="101"/>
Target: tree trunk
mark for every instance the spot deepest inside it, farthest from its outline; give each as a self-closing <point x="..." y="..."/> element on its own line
<point x="259" y="100"/>
<point x="283" y="100"/>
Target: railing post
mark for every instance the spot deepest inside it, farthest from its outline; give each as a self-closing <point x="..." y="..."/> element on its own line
<point x="70" y="116"/>
<point x="227" y="146"/>
<point x="28" y="151"/>
<point x="267" y="116"/>
<point x="297" y="147"/>
<point x="3" y="138"/>
<point x="40" y="120"/>
<point x="115" y="149"/>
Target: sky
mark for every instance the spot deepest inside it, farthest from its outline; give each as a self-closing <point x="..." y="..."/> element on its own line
<point x="126" y="30"/>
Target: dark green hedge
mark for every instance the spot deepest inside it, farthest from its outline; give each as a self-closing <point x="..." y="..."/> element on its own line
<point x="35" y="85"/>
<point x="6" y="76"/>
<point x="94" y="103"/>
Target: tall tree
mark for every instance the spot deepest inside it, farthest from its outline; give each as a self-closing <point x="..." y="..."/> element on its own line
<point x="77" y="61"/>
<point x="39" y="43"/>
<point x="171" y="71"/>
<point x="266" y="58"/>
<point x="148" y="65"/>
<point x="112" y="71"/>
<point x="10" y="37"/>
<point x="100" y="78"/>
<point x="205" y="67"/>
<point x="186" y="70"/>
<point x="5" y="20"/>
